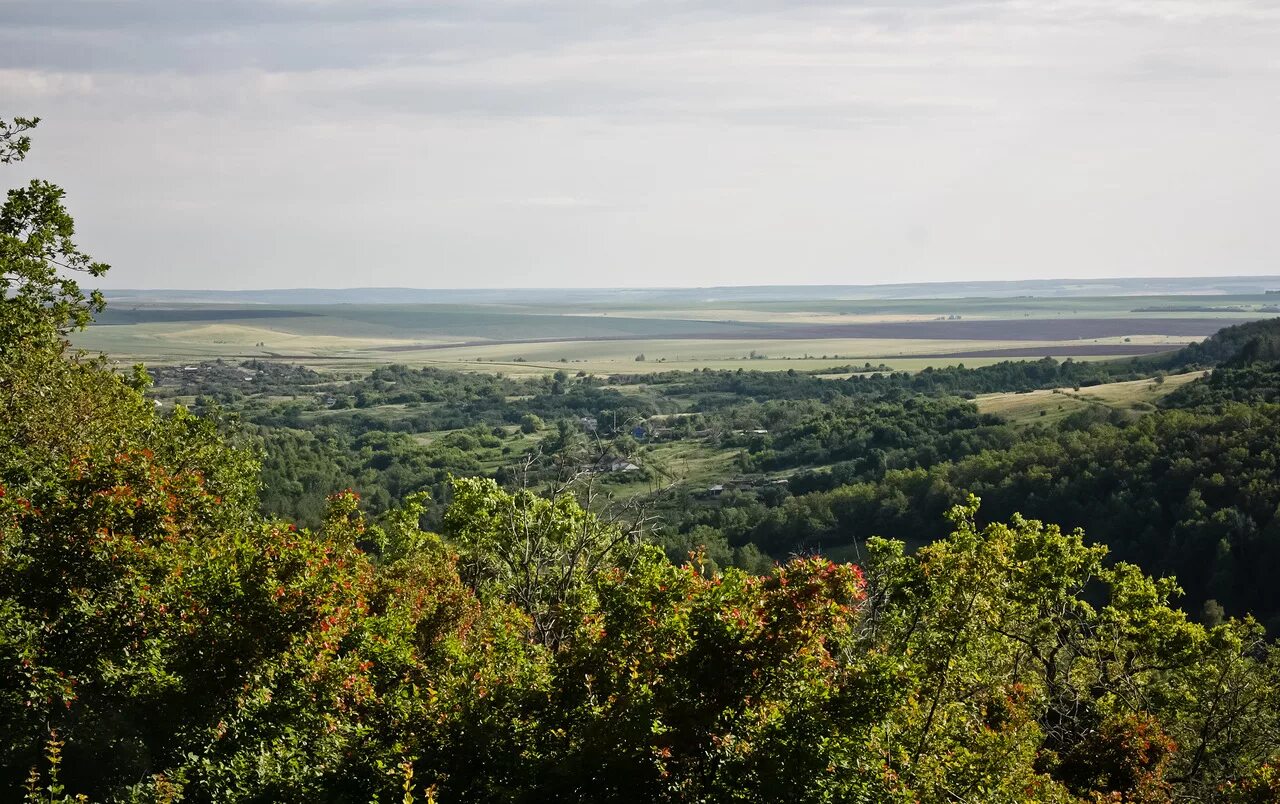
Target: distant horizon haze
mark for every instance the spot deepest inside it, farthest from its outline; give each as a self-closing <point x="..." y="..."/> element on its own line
<point x="1058" y="287"/>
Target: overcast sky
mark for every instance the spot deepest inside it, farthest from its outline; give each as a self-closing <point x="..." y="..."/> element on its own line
<point x="489" y="143"/>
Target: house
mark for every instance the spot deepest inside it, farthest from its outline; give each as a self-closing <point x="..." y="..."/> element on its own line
<point x="616" y="465"/>
<point x="588" y="424"/>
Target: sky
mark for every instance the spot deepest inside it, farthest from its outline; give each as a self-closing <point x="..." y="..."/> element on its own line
<point x="629" y="143"/>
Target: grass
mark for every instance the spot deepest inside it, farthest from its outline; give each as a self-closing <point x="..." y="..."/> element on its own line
<point x="1050" y="406"/>
<point x="1126" y="394"/>
<point x="515" y="445"/>
<point x="691" y="463"/>
<point x="168" y="342"/>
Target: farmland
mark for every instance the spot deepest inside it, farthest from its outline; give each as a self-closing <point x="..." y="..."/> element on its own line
<point x="540" y="332"/>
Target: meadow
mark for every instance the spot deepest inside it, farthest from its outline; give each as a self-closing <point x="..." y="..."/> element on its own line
<point x="1052" y="405"/>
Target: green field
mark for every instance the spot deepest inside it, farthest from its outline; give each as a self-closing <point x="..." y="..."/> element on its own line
<point x="605" y="335"/>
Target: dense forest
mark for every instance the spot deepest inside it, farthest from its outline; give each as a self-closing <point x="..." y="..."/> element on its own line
<point x="819" y="465"/>
<point x="479" y="628"/>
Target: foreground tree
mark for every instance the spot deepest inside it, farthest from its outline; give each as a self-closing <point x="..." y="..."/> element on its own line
<point x="1024" y="643"/>
<point x="536" y="553"/>
<point x="39" y="296"/>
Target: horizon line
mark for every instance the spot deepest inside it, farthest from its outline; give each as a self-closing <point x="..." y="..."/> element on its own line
<point x="1210" y="277"/>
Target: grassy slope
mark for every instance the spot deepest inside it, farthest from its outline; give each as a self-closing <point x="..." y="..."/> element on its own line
<point x="1052" y="405"/>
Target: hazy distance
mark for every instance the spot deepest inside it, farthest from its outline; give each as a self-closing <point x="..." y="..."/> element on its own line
<point x="489" y="144"/>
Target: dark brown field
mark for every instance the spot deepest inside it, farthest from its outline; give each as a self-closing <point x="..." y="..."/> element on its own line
<point x="1031" y="329"/>
<point x="1060" y="329"/>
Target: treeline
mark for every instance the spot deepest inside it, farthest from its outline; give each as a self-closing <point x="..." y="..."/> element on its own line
<point x="1241" y="344"/>
<point x="867" y="436"/>
<point x="1250" y="383"/>
<point x="409" y="400"/>
<point x="710" y="389"/>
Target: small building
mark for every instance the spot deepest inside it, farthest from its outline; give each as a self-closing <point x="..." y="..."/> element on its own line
<point x="616" y="465"/>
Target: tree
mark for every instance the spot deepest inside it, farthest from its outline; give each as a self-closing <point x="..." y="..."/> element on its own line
<point x="684" y="687"/>
<point x="536" y="553"/>
<point x="1012" y="660"/>
<point x="14" y="140"/>
<point x="39" y="299"/>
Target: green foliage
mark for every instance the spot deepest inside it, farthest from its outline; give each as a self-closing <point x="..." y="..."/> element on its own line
<point x="1011" y="659"/>
<point x="164" y="630"/>
<point x="863" y="438"/>
<point x="14" y="140"/>
<point x="683" y="687"/>
<point x="1190" y="493"/>
<point x="536" y="553"/>
<point x="38" y="302"/>
<point x="1239" y="345"/>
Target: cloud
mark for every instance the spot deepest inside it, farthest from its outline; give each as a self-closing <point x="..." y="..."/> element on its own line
<point x="683" y="141"/>
<point x="555" y="202"/>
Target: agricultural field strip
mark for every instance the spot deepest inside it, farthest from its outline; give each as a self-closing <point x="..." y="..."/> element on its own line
<point x="469" y="328"/>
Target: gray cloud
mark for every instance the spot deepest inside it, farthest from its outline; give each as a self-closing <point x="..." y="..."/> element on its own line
<point x="437" y="143"/>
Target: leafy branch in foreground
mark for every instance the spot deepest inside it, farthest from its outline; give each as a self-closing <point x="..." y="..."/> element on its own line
<point x="38" y="299"/>
<point x="15" y="143"/>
